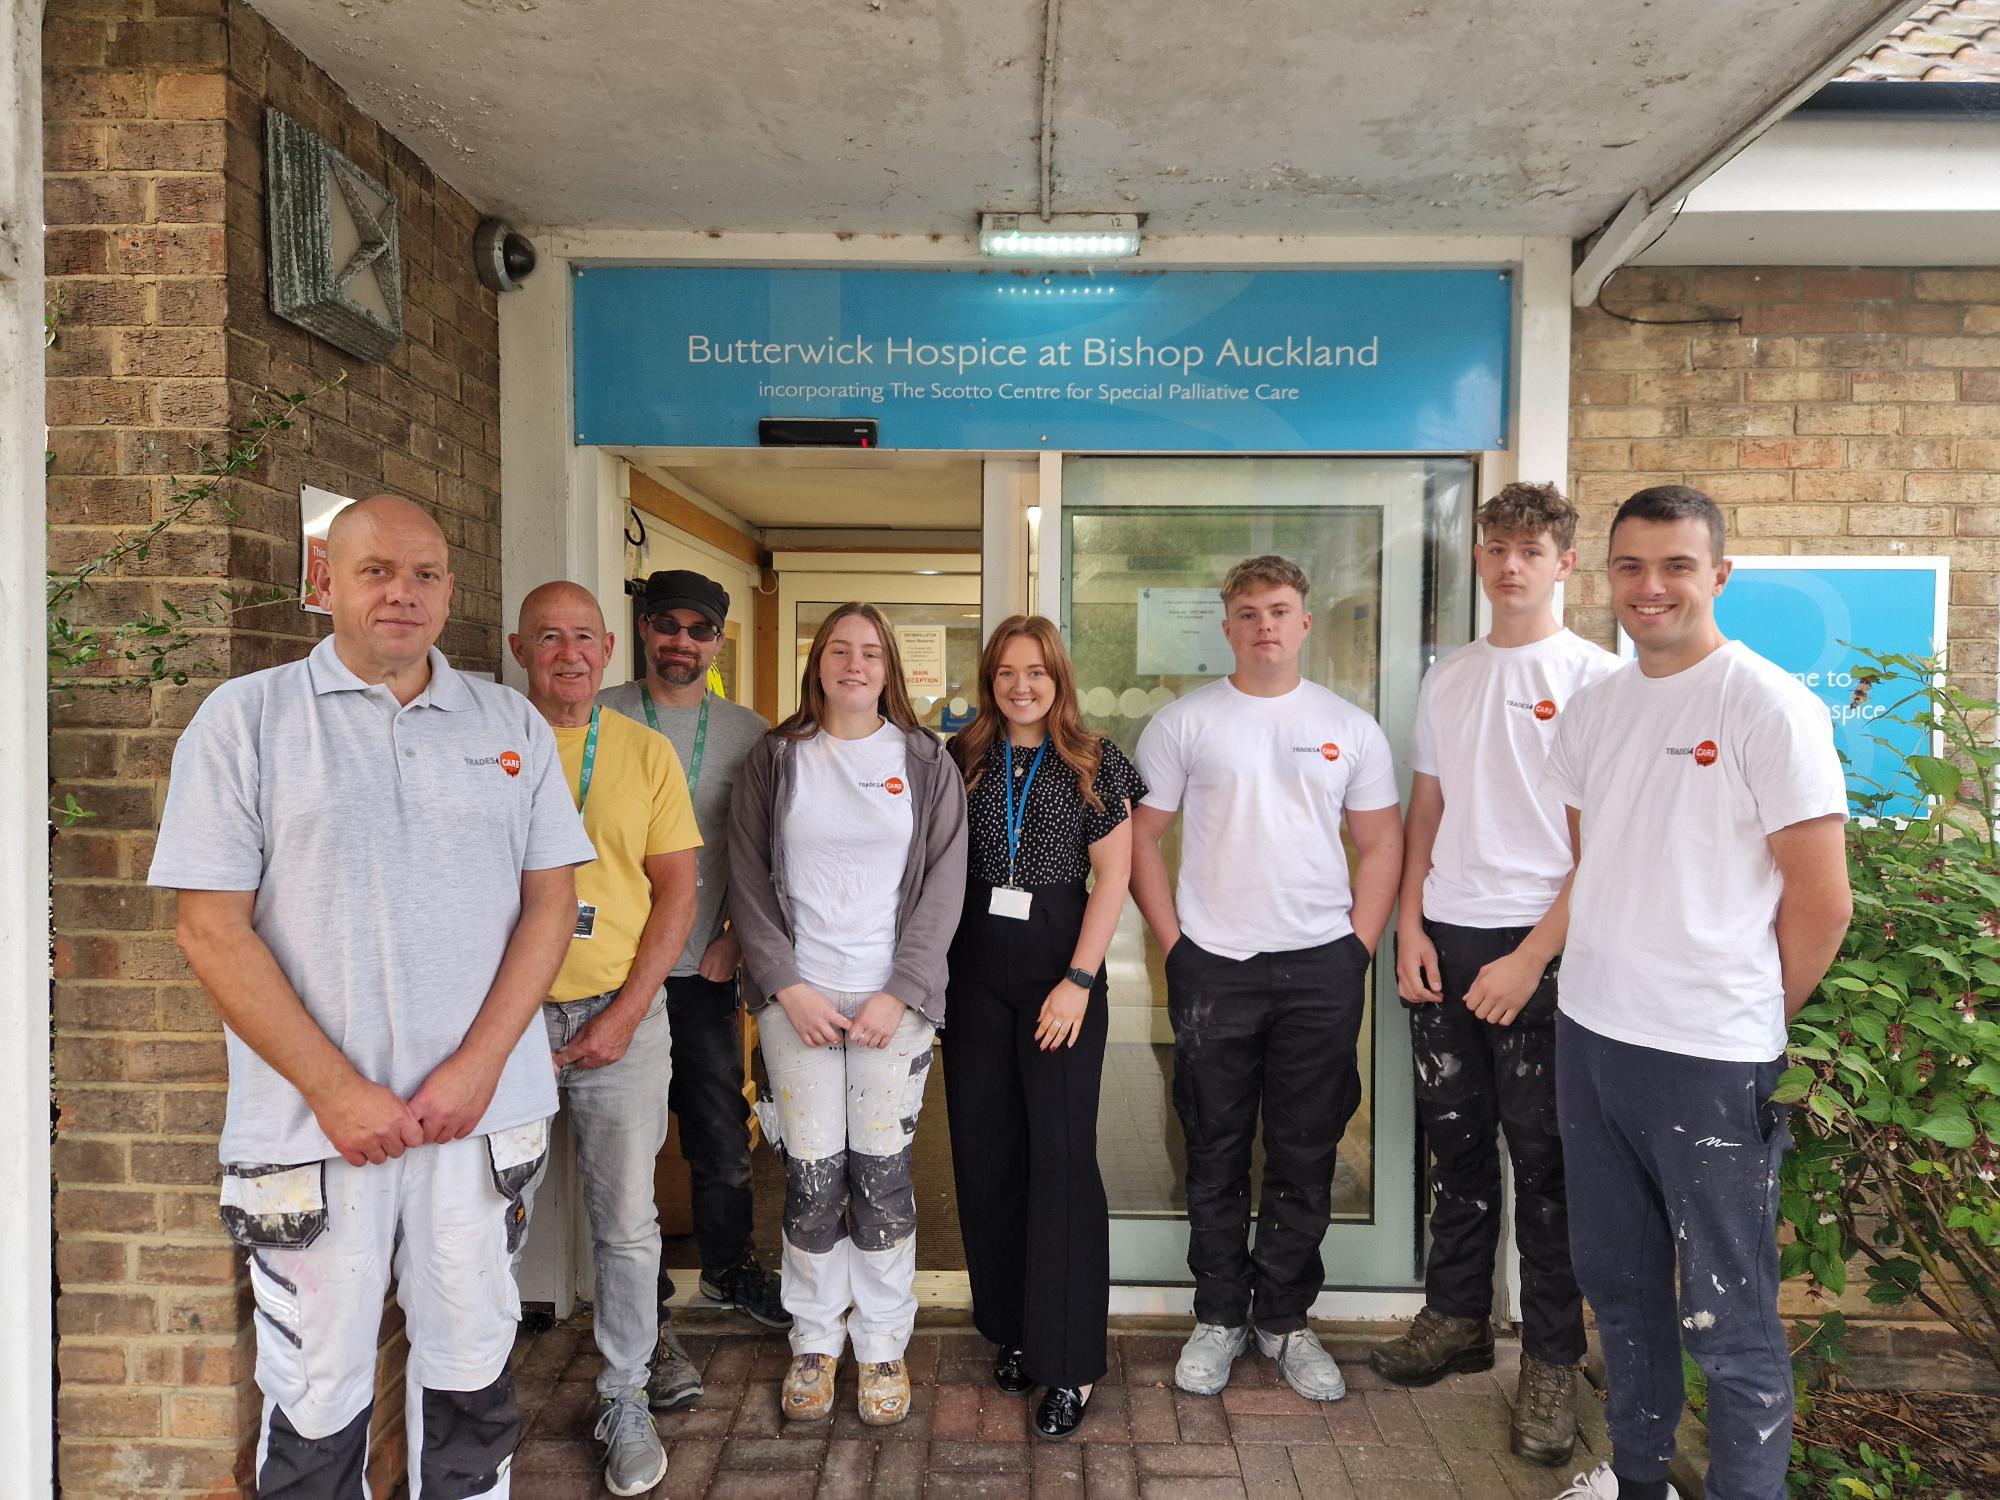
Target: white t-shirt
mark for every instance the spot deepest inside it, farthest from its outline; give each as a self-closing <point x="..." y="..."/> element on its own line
<point x="847" y="842"/>
<point x="1485" y="718"/>
<point x="1262" y="783"/>
<point x="1681" y="781"/>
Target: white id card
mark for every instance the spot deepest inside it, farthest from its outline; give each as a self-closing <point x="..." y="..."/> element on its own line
<point x="586" y="920"/>
<point x="1010" y="903"/>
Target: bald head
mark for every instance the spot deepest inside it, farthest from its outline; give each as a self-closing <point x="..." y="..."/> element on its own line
<point x="560" y="597"/>
<point x="388" y="586"/>
<point x="379" y="514"/>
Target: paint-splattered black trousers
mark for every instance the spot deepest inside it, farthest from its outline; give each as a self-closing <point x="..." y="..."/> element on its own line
<point x="1031" y="1201"/>
<point x="1676" y="1158"/>
<point x="1273" y="1034"/>
<point x="1473" y="1079"/>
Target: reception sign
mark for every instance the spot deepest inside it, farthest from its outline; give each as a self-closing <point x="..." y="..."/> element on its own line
<point x="1174" y="361"/>
<point x="1814" y="615"/>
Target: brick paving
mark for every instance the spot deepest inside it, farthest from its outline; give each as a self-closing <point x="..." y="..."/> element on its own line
<point x="1140" y="1440"/>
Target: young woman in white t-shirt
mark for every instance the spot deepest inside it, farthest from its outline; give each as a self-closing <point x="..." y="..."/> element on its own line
<point x="847" y="873"/>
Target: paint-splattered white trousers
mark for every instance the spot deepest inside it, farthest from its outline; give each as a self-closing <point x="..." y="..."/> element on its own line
<point x="846" y="1117"/>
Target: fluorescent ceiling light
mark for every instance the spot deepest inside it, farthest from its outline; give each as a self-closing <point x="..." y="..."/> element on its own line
<point x="1059" y="237"/>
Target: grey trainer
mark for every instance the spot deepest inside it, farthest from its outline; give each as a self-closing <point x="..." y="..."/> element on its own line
<point x="675" y="1384"/>
<point x="1203" y="1368"/>
<point x="1305" y="1364"/>
<point x="628" y="1445"/>
<point x="1543" y="1430"/>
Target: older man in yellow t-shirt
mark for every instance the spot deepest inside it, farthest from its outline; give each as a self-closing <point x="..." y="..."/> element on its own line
<point x="606" y="1014"/>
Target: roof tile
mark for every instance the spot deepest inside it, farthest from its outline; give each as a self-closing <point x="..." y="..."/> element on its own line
<point x="1940" y="43"/>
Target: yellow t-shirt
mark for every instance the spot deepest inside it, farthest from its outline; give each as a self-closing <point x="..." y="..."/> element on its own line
<point x="638" y="806"/>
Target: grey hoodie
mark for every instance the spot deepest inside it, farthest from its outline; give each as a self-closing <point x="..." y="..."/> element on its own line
<point x="933" y="889"/>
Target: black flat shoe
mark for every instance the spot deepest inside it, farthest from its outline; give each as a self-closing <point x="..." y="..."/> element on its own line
<point x="1060" y="1412"/>
<point x="1008" y="1374"/>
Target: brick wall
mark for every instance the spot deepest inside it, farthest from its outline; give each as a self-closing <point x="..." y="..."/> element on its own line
<point x="1826" y="411"/>
<point x="153" y="112"/>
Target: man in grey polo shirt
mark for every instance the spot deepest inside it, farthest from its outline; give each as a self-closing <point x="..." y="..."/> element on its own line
<point x="373" y="858"/>
<point x="681" y="627"/>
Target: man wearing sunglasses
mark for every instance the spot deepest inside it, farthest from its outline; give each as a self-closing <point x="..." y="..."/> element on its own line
<point x="681" y="619"/>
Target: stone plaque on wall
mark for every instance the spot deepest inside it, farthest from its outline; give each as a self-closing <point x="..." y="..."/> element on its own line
<point x="335" y="268"/>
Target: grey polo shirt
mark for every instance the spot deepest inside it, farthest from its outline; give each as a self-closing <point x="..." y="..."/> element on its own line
<point x="386" y="844"/>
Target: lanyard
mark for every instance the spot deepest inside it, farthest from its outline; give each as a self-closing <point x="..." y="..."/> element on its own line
<point x="589" y="763"/>
<point x="700" y="734"/>
<point x="1017" y="815"/>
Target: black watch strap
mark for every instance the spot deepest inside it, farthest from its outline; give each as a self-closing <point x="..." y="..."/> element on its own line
<point x="1082" y="978"/>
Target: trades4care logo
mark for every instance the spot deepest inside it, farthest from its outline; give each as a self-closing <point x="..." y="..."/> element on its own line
<point x="1328" y="751"/>
<point x="1545" y="710"/>
<point x="893" y="786"/>
<point x="1703" y="754"/>
<point x="507" y="760"/>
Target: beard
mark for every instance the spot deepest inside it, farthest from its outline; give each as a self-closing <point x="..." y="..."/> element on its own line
<point x="679" y="671"/>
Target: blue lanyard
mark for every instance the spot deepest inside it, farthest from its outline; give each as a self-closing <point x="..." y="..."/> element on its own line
<point x="1017" y="815"/>
<point x="589" y="763"/>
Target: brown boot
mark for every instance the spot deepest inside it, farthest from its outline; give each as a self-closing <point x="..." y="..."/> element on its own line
<point x="885" y="1393"/>
<point x="808" y="1392"/>
<point x="1544" y="1425"/>
<point x="1435" y="1346"/>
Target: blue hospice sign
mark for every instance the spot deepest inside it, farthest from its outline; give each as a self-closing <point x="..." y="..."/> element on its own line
<point x="1176" y="361"/>
<point x="1797" y="611"/>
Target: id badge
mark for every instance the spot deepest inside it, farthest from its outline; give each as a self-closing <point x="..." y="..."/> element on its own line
<point x="586" y="919"/>
<point x="1008" y="902"/>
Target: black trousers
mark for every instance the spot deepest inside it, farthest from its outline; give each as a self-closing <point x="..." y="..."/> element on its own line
<point x="1031" y="1204"/>
<point x="706" y="1095"/>
<point x="1474" y="1078"/>
<point x="1274" y="1034"/>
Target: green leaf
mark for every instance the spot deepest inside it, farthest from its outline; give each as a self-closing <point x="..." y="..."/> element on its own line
<point x="1985" y="1076"/>
<point x="1793" y="1085"/>
<point x="1949" y="1126"/>
<point x="1940" y="777"/>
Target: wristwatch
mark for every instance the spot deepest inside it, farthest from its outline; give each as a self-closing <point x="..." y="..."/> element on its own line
<point x="1082" y="978"/>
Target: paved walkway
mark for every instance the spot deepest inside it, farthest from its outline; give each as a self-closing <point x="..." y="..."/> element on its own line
<point x="1141" y="1439"/>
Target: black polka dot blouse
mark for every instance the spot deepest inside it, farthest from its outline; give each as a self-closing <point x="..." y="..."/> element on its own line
<point x="1059" y="827"/>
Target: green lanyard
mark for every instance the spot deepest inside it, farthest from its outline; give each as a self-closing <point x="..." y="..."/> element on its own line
<point x="589" y="763"/>
<point x="700" y="734"/>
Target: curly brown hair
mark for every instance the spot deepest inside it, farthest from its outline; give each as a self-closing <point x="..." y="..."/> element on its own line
<point x="1523" y="509"/>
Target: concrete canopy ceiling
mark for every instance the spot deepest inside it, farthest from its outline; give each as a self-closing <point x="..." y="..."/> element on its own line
<point x="910" y="116"/>
<point x="788" y="488"/>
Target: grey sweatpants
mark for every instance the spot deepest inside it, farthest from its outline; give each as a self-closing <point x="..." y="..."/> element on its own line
<point x="1673" y="1166"/>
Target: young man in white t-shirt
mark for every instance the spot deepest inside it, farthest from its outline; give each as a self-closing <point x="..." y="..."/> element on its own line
<point x="1484" y="856"/>
<point x="1267" y="961"/>
<point x="1710" y="894"/>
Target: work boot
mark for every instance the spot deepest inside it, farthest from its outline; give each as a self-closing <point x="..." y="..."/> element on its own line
<point x="808" y="1391"/>
<point x="628" y="1445"/>
<point x="884" y="1397"/>
<point x="675" y="1383"/>
<point x="1544" y="1426"/>
<point x="1203" y="1368"/>
<point x="749" y="1288"/>
<point x="1435" y="1346"/>
<point x="1305" y="1364"/>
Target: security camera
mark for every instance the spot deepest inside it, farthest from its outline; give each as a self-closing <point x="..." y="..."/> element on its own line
<point x="503" y="256"/>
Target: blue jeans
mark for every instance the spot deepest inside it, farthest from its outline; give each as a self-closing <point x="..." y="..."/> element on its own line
<point x="618" y="1114"/>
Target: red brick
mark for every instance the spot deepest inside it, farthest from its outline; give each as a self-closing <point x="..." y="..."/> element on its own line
<point x="190" y="96"/>
<point x="168" y="43"/>
<point x="192" y="198"/>
<point x="1855" y="286"/>
<point x="87" y="1364"/>
<point x="1805" y="317"/>
<point x="91" y="1413"/>
<point x="106" y="1313"/>
<point x="169" y="251"/>
<point x="94" y="200"/>
<point x="1793" y="453"/>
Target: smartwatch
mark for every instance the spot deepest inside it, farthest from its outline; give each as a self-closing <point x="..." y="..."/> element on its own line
<point x="1082" y="978"/>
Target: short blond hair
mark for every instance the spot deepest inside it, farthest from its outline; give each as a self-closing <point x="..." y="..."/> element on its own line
<point x="1267" y="572"/>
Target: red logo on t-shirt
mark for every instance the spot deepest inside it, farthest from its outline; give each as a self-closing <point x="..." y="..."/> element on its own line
<point x="1545" y="710"/>
<point x="893" y="786"/>
<point x="1330" y="750"/>
<point x="510" y="762"/>
<point x="1705" y="753"/>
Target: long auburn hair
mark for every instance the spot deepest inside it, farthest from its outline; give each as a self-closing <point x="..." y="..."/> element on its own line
<point x="894" y="704"/>
<point x="1081" y="750"/>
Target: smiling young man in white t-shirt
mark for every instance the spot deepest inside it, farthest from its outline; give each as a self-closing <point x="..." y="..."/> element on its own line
<point x="1267" y="961"/>
<point x="1710" y="894"/>
<point x="1484" y="856"/>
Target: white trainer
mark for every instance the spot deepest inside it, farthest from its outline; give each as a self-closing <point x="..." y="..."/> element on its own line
<point x="1600" y="1484"/>
<point x="1305" y="1364"/>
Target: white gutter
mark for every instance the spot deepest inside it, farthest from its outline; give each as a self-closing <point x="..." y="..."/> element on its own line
<point x="1646" y="216"/>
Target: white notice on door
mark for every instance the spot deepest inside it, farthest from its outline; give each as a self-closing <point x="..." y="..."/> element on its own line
<point x="1180" y="634"/>
<point x="922" y="649"/>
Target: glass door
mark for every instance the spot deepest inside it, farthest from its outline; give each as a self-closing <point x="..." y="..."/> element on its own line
<point x="1144" y="544"/>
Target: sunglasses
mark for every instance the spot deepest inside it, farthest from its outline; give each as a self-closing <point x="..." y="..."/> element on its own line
<point x="668" y="626"/>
